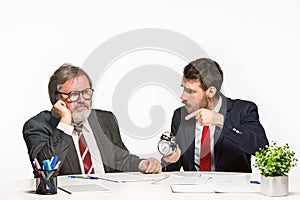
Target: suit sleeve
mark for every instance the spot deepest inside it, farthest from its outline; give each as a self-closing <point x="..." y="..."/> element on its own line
<point x="42" y="140"/>
<point x="243" y="128"/>
<point x="174" y="129"/>
<point x="124" y="161"/>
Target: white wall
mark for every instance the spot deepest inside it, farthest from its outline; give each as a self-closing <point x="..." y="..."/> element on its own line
<point x="256" y="42"/>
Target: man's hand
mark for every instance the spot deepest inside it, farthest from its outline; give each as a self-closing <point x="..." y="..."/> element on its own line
<point x="207" y="117"/>
<point x="151" y="166"/>
<point x="60" y="111"/>
<point x="174" y="157"/>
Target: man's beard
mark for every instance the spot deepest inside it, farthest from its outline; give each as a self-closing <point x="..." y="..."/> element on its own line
<point x="203" y="104"/>
<point x="80" y="116"/>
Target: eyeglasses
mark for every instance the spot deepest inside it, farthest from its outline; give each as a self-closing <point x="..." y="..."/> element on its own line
<point x="73" y="96"/>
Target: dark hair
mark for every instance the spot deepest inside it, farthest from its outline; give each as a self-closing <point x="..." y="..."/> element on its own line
<point x="207" y="71"/>
<point x="61" y="75"/>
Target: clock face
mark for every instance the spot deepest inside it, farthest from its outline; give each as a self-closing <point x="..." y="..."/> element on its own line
<point x="164" y="147"/>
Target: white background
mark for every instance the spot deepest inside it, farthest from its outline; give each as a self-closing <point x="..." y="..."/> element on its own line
<point x="257" y="44"/>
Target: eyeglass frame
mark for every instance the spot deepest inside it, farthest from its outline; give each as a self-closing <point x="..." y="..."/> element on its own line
<point x="79" y="93"/>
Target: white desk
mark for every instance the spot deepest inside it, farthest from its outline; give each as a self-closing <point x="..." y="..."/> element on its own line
<point x="136" y="190"/>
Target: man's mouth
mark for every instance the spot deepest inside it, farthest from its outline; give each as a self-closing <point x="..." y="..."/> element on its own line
<point x="80" y="108"/>
<point x="187" y="105"/>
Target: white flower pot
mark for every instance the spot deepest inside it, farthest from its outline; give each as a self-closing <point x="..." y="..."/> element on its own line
<point x="274" y="186"/>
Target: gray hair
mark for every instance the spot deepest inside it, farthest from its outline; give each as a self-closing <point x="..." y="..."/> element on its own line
<point x="61" y="75"/>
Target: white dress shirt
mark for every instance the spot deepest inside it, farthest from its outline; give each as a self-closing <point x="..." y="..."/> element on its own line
<point x="198" y="135"/>
<point x="91" y="142"/>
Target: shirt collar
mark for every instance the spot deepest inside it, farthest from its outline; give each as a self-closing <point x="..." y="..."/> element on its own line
<point x="85" y="126"/>
<point x="218" y="107"/>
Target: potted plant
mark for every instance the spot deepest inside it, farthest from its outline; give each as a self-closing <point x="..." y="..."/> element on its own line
<point x="274" y="163"/>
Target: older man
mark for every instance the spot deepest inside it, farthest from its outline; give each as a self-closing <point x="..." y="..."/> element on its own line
<point x="85" y="140"/>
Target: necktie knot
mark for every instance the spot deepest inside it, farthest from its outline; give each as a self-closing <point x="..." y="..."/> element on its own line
<point x="78" y="128"/>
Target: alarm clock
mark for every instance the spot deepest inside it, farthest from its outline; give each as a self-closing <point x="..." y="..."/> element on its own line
<point x="167" y="144"/>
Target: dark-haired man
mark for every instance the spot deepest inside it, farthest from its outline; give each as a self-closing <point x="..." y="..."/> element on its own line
<point x="213" y="132"/>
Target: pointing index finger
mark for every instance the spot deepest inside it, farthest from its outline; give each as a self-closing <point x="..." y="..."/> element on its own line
<point x="193" y="114"/>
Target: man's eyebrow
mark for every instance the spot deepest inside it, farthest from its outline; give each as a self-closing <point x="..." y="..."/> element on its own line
<point x="186" y="87"/>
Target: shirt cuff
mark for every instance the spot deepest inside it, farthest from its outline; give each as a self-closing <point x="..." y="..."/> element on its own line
<point x="140" y="165"/>
<point x="67" y="129"/>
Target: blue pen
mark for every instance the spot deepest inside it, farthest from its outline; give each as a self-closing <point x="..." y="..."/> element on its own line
<point x="83" y="176"/>
<point x="47" y="165"/>
<point x="53" y="161"/>
<point x="255" y="182"/>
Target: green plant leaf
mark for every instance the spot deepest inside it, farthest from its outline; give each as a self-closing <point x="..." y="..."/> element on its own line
<point x="275" y="160"/>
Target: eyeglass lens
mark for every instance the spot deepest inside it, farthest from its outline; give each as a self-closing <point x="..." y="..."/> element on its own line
<point x="87" y="94"/>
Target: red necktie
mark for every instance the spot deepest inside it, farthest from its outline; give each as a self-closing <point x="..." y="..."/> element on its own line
<point x="84" y="152"/>
<point x="205" y="150"/>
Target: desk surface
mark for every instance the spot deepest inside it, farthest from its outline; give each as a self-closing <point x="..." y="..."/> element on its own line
<point x="25" y="189"/>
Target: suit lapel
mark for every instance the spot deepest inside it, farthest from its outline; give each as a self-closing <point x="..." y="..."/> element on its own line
<point x="102" y="141"/>
<point x="188" y="136"/>
<point x="190" y="142"/>
<point x="71" y="162"/>
<point x="218" y="137"/>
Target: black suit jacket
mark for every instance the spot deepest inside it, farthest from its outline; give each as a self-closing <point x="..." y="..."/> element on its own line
<point x="241" y="136"/>
<point x="44" y="140"/>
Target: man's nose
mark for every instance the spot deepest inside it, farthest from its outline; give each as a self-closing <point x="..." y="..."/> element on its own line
<point x="183" y="96"/>
<point x="81" y="98"/>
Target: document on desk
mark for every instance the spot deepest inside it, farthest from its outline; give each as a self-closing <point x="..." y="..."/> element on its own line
<point x="216" y="183"/>
<point x="83" y="188"/>
<point x="183" y="180"/>
<point x="129" y="177"/>
<point x="210" y="188"/>
<point x="205" y="188"/>
<point x="218" y="179"/>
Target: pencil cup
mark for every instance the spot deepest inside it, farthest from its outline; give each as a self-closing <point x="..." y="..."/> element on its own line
<point x="46" y="181"/>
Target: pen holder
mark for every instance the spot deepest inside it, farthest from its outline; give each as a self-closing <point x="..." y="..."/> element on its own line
<point x="46" y="181"/>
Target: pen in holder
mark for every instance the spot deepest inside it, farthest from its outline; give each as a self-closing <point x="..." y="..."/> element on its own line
<point x="46" y="181"/>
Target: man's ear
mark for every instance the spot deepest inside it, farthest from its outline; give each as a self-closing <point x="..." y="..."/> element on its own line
<point x="57" y="97"/>
<point x="210" y="92"/>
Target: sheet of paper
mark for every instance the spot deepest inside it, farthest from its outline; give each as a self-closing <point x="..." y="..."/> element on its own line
<point x="215" y="183"/>
<point x="129" y="177"/>
<point x="183" y="180"/>
<point x="239" y="179"/>
<point x="83" y="188"/>
<point x="205" y="188"/>
<point x="210" y="188"/>
<point x="233" y="188"/>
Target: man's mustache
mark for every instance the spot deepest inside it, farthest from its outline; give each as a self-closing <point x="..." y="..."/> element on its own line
<point x="79" y="105"/>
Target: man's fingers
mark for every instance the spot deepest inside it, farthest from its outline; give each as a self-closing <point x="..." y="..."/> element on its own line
<point x="174" y="157"/>
<point x="152" y="166"/>
<point x="193" y="114"/>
